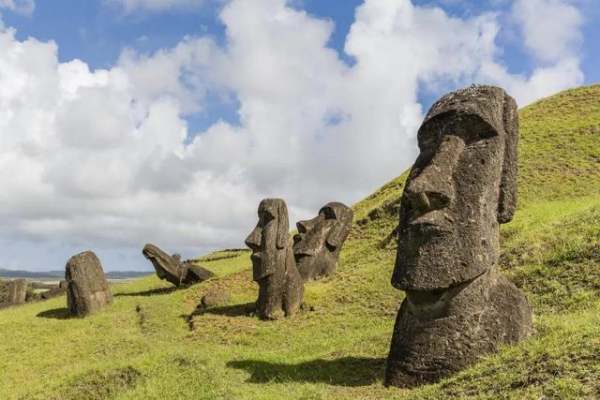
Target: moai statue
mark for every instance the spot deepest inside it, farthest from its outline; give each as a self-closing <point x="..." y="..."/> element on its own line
<point x="461" y="187"/>
<point x="273" y="266"/>
<point x="172" y="269"/>
<point x="17" y="291"/>
<point x="319" y="240"/>
<point x="87" y="287"/>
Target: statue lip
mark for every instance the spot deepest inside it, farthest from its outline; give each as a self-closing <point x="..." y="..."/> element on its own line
<point x="256" y="256"/>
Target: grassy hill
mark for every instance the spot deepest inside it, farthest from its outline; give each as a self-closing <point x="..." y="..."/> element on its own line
<point x="152" y="343"/>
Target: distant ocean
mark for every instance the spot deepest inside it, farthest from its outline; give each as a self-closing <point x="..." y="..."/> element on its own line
<point x="57" y="275"/>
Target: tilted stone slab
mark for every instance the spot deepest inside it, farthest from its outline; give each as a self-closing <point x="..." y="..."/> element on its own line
<point x="16" y="291"/>
<point x="87" y="286"/>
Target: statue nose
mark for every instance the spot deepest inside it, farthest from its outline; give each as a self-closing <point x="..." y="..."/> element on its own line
<point x="301" y="225"/>
<point x="307" y="225"/>
<point x="431" y="184"/>
<point x="254" y="238"/>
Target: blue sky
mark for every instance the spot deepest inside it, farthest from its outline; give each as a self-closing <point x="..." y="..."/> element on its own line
<point x="167" y="121"/>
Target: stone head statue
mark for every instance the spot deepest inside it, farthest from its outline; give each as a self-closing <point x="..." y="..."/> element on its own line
<point x="461" y="187"/>
<point x="273" y="265"/>
<point x="269" y="239"/>
<point x="319" y="240"/>
<point x="166" y="266"/>
<point x="172" y="269"/>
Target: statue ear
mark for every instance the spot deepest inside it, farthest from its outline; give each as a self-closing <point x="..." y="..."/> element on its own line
<point x="507" y="201"/>
<point x="341" y="229"/>
<point x="283" y="225"/>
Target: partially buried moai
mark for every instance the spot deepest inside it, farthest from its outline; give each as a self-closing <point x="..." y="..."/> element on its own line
<point x="460" y="188"/>
<point x="17" y="291"/>
<point x="319" y="240"/>
<point x="273" y="266"/>
<point x="87" y="287"/>
<point x="172" y="269"/>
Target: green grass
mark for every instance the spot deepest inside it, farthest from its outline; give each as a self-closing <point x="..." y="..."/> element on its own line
<point x="152" y="343"/>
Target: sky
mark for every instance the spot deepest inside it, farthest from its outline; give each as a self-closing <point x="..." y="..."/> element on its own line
<point x="125" y="122"/>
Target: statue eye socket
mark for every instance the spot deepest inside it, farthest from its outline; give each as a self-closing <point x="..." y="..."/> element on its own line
<point x="328" y="213"/>
<point x="265" y="217"/>
<point x="428" y="142"/>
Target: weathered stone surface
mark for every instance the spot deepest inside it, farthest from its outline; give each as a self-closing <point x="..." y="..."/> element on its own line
<point x="172" y="269"/>
<point x="87" y="287"/>
<point x="461" y="187"/>
<point x="273" y="265"/>
<point x="16" y="291"/>
<point x="319" y="240"/>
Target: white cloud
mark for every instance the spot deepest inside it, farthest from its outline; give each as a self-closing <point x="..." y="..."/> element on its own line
<point x="102" y="159"/>
<point x="551" y="28"/>
<point x="129" y="6"/>
<point x="20" y="6"/>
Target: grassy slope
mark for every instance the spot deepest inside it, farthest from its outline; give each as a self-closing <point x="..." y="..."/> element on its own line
<point x="151" y="344"/>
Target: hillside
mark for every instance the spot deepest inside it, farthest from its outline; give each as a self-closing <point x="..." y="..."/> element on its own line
<point x="152" y="344"/>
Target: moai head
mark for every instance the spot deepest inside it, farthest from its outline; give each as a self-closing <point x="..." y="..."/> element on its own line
<point x="269" y="240"/>
<point x="172" y="269"/>
<point x="166" y="266"/>
<point x="319" y="240"/>
<point x="460" y="188"/>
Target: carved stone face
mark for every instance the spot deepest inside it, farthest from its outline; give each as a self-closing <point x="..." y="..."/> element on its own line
<point x="268" y="240"/>
<point x="460" y="188"/>
<point x="319" y="240"/>
<point x="166" y="267"/>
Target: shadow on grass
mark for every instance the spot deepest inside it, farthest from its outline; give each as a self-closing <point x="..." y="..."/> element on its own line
<point x="346" y="371"/>
<point x="237" y="310"/>
<point x="151" y="292"/>
<point x="55" y="313"/>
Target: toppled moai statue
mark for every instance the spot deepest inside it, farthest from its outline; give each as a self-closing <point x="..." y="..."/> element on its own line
<point x="461" y="187"/>
<point x="173" y="269"/>
<point x="319" y="240"/>
<point x="16" y="292"/>
<point x="87" y="287"/>
<point x="273" y="265"/>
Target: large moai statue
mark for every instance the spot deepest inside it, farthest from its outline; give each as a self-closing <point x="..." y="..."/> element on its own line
<point x="461" y="187"/>
<point x="87" y="287"/>
<point x="273" y="265"/>
<point x="172" y="269"/>
<point x="319" y="240"/>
